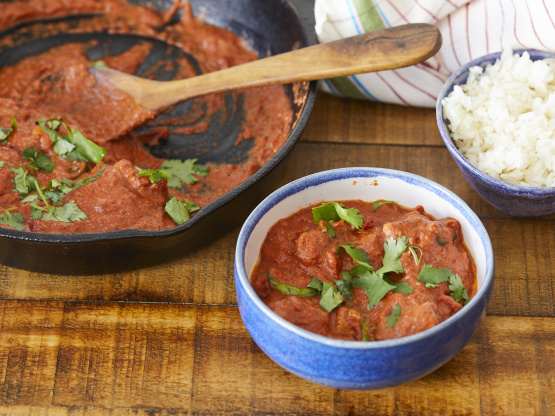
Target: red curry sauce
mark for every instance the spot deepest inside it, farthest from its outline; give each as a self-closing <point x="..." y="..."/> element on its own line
<point x="296" y="250"/>
<point x="57" y="83"/>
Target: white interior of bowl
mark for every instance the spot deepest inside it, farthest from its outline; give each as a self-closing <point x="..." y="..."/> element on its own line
<point x="369" y="185"/>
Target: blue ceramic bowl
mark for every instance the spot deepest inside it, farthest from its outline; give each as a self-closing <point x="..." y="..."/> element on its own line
<point x="352" y="364"/>
<point x="521" y="201"/>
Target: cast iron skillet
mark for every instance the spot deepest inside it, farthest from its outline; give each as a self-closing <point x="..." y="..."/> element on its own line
<point x="271" y="27"/>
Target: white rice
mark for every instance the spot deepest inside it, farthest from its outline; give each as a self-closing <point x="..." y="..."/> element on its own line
<point x="503" y="119"/>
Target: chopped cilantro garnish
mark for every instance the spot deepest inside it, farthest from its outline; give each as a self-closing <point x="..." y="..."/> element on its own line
<point x="181" y="172"/>
<point x="39" y="160"/>
<point x="330" y="297"/>
<point x="433" y="277"/>
<point x="345" y="286"/>
<point x="441" y="241"/>
<point x="292" y="290"/>
<point x="457" y="288"/>
<point x="415" y="255"/>
<point x="378" y="204"/>
<point x="14" y="220"/>
<point x="331" y="231"/>
<point x="333" y="211"/>
<point x="357" y="254"/>
<point x="180" y="210"/>
<point x="392" y="319"/>
<point x="400" y="287"/>
<point x="393" y="250"/>
<point x="23" y="181"/>
<point x="99" y="64"/>
<point x="155" y="175"/>
<point x="56" y="191"/>
<point x="73" y="145"/>
<point x="372" y="283"/>
<point x="82" y="182"/>
<point x="5" y="133"/>
<point x="365" y="331"/>
<point x="69" y="212"/>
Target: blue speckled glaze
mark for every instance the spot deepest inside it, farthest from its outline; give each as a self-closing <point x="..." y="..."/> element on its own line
<point x="512" y="199"/>
<point x="350" y="364"/>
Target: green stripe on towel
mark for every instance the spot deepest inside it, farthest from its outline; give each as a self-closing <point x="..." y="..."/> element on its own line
<point x="345" y="87"/>
<point x="368" y="15"/>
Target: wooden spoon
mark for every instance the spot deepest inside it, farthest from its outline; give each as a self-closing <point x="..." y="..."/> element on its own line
<point x="391" y="48"/>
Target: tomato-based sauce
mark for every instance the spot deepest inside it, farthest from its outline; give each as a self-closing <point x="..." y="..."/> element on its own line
<point x="57" y="83"/>
<point x="297" y="251"/>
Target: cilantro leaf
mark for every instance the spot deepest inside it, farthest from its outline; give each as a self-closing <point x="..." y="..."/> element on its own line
<point x="180" y="210"/>
<point x="331" y="231"/>
<point x="378" y="204"/>
<point x="181" y="172"/>
<point x="69" y="212"/>
<point x="441" y="241"/>
<point x="86" y="150"/>
<point x="5" y="133"/>
<point x="39" y="160"/>
<point x="345" y="286"/>
<point x="74" y="145"/>
<point x="190" y="205"/>
<point x="333" y="211"/>
<point x="373" y="284"/>
<point x="432" y="276"/>
<point x="330" y="298"/>
<point x="177" y="211"/>
<point x="416" y="257"/>
<point x="400" y="287"/>
<point x="14" y="220"/>
<point x="82" y="182"/>
<point x="22" y="181"/>
<point x="357" y="254"/>
<point x="155" y="175"/>
<point x="325" y="212"/>
<point x="393" y="250"/>
<point x="459" y="292"/>
<point x="316" y="284"/>
<point x="292" y="290"/>
<point x="392" y="319"/>
<point x="99" y="64"/>
<point x="366" y="331"/>
<point x="54" y="196"/>
<point x="37" y="211"/>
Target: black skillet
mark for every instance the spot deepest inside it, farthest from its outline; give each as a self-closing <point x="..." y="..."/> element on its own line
<point x="270" y="27"/>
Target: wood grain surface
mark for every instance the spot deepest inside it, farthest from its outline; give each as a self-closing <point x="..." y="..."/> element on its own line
<point x="169" y="340"/>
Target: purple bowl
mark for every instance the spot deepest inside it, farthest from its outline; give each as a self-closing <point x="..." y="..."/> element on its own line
<point x="521" y="201"/>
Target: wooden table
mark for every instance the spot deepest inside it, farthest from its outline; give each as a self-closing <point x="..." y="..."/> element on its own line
<point x="169" y="340"/>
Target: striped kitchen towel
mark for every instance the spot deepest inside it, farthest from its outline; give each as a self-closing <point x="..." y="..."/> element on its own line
<point x="470" y="28"/>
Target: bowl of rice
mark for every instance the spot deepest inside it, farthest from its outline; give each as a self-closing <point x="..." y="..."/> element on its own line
<point x="496" y="115"/>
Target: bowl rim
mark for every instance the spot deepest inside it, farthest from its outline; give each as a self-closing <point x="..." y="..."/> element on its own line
<point x="322" y="177"/>
<point x="512" y="189"/>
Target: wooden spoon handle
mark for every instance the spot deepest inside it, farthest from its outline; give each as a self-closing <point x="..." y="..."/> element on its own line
<point x="384" y="49"/>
